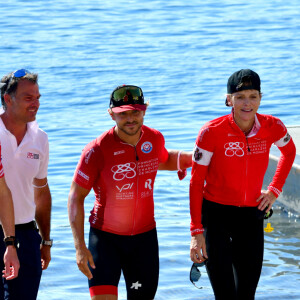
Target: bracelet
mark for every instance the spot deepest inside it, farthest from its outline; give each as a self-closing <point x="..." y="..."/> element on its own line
<point x="40" y="186"/>
<point x="178" y="160"/>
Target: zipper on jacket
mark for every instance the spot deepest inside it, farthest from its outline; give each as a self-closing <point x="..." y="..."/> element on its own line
<point x="137" y="189"/>
<point x="137" y="180"/>
<point x="247" y="144"/>
<point x="246" y="171"/>
<point x="136" y="155"/>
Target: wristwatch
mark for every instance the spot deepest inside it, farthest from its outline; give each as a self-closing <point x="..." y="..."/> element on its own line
<point x="11" y="241"/>
<point x="47" y="243"/>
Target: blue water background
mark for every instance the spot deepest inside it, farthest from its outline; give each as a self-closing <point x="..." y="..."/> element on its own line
<point x="181" y="53"/>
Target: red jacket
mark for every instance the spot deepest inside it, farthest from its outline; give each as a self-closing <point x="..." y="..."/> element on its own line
<point x="229" y="168"/>
<point x="122" y="177"/>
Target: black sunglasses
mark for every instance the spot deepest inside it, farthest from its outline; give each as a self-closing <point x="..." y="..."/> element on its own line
<point x="128" y="91"/>
<point x="195" y="273"/>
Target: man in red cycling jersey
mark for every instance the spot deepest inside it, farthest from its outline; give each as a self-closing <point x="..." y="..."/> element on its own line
<point x="227" y="205"/>
<point x="121" y="166"/>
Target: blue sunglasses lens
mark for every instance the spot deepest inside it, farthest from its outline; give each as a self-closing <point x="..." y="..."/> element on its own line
<point x="20" y="73"/>
<point x="195" y="274"/>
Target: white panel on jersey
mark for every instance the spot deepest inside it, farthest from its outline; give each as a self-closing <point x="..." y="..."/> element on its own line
<point x="201" y="156"/>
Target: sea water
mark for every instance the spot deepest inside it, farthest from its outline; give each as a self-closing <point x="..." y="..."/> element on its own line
<point x="181" y="53"/>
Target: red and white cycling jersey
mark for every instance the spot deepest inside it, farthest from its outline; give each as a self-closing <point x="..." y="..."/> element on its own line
<point x="122" y="177"/>
<point x="229" y="168"/>
<point x="1" y="166"/>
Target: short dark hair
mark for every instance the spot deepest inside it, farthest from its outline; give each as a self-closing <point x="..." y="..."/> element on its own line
<point x="11" y="84"/>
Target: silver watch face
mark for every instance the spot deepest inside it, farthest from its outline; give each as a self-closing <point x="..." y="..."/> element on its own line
<point x="47" y="243"/>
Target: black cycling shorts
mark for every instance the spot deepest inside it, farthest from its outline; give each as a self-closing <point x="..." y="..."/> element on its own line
<point x="136" y="256"/>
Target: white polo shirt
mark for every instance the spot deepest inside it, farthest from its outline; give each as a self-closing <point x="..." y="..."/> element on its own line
<point x="1" y="167"/>
<point x="22" y="164"/>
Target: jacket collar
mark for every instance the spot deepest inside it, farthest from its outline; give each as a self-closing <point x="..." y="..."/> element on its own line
<point x="256" y="127"/>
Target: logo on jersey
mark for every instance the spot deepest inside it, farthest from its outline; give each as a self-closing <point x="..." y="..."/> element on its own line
<point x="83" y="175"/>
<point x="281" y="124"/>
<point x="124" y="171"/>
<point x="148" y="183"/>
<point x="201" y="134"/>
<point x="287" y="137"/>
<point x="126" y="186"/>
<point x="119" y="152"/>
<point x="33" y="155"/>
<point x="88" y="155"/>
<point x="197" y="154"/>
<point x="146" y="147"/>
<point x="234" y="148"/>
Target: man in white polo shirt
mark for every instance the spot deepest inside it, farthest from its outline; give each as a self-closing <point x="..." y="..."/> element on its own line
<point x="25" y="155"/>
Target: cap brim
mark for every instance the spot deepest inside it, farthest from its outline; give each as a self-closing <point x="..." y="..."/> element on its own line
<point x="122" y="108"/>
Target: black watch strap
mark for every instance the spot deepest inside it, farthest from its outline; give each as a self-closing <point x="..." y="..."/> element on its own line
<point x="11" y="241"/>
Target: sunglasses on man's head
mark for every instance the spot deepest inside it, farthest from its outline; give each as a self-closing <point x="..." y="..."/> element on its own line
<point x="20" y="73"/>
<point x="123" y="93"/>
<point x="195" y="273"/>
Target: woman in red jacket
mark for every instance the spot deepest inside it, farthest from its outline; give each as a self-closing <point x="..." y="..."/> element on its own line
<point x="227" y="205"/>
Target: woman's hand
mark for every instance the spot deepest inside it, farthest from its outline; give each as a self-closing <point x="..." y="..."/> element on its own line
<point x="198" y="248"/>
<point x="267" y="199"/>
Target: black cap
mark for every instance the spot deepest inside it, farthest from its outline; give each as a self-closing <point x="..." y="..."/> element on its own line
<point x="241" y="80"/>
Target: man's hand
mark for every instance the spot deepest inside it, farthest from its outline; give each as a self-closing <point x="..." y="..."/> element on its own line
<point x="11" y="262"/>
<point x="198" y="248"/>
<point x="45" y="256"/>
<point x="83" y="258"/>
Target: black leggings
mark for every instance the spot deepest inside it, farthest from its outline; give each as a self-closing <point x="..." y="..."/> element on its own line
<point x="235" y="245"/>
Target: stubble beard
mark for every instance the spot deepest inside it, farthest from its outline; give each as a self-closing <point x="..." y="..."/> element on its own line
<point x="130" y="133"/>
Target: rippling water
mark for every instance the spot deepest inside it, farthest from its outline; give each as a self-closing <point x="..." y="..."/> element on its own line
<point x="181" y="53"/>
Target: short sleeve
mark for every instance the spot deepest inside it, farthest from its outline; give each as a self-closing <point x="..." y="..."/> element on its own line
<point x="43" y="168"/>
<point x="163" y="153"/>
<point x="88" y="167"/>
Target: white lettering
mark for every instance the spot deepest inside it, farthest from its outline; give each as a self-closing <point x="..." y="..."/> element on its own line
<point x="125" y="187"/>
<point x="148" y="183"/>
<point x="83" y="175"/>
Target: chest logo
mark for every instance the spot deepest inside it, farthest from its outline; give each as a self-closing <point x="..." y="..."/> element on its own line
<point x="147" y="147"/>
<point x="33" y="155"/>
<point x="124" y="171"/>
<point x="234" y="148"/>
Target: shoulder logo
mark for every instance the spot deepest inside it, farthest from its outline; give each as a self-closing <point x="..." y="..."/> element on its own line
<point x="88" y="155"/>
<point x="147" y="147"/>
<point x="287" y="138"/>
<point x="197" y="154"/>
